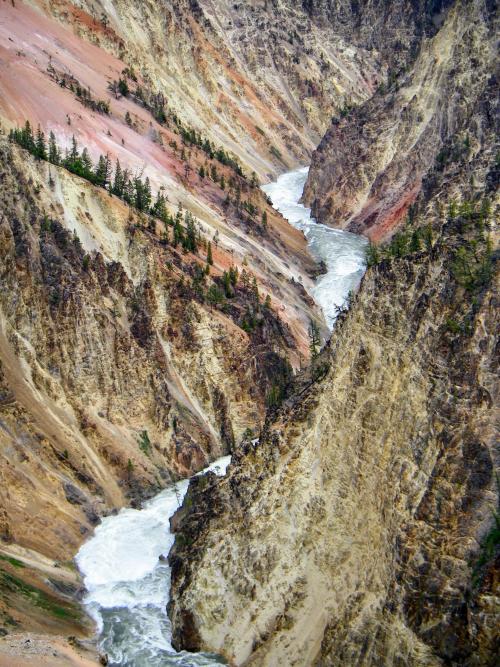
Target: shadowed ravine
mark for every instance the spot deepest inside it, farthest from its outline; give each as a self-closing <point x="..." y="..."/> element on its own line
<point x="127" y="582"/>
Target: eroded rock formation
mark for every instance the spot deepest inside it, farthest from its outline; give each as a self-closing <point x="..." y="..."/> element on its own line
<point x="368" y="168"/>
<point x="355" y="532"/>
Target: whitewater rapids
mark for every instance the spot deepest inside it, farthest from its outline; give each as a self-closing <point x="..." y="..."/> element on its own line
<point x="342" y="252"/>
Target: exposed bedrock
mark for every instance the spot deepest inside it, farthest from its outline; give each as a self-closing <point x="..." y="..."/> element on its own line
<point x="368" y="168"/>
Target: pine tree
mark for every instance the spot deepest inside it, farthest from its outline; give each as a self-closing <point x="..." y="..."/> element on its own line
<point x="40" y="148"/>
<point x="209" y="254"/>
<point x="264" y="219"/>
<point x="87" y="165"/>
<point x="201" y="172"/>
<point x="415" y="241"/>
<point x="245" y="279"/>
<point x="233" y="275"/>
<point x="255" y="290"/>
<point x="27" y="140"/>
<point x="159" y="209"/>
<point x="118" y="183"/>
<point x="54" y="154"/>
<point x="190" y="243"/>
<point x="228" y="288"/>
<point x="128" y="188"/>
<point x="314" y="340"/>
<point x="102" y="171"/>
<point x="178" y="232"/>
<point x="73" y="154"/>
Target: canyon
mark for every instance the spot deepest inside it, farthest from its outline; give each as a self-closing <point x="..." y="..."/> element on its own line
<point x="357" y="523"/>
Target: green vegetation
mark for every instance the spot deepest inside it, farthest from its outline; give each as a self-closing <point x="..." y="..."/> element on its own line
<point x="12" y="584"/>
<point x="82" y="93"/>
<point x="144" y="443"/>
<point x="489" y="547"/>
<point x="13" y="561"/>
<point x="472" y="263"/>
<point x="156" y="104"/>
<point x="134" y="190"/>
<point x="403" y="243"/>
<point x="274" y="151"/>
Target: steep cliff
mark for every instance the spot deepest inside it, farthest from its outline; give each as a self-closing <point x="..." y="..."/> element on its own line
<point x="361" y="529"/>
<point x="368" y="169"/>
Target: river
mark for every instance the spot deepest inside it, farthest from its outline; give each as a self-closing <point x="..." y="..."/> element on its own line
<point x="126" y="576"/>
<point x="342" y="252"/>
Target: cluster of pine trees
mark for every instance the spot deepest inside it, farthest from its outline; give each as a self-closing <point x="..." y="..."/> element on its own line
<point x="132" y="189"/>
<point x="193" y="138"/>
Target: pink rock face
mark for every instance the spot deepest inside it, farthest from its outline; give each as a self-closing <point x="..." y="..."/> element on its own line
<point x="29" y="44"/>
<point x="36" y="51"/>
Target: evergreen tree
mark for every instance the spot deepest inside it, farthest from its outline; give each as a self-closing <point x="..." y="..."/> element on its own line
<point x="264" y="219"/>
<point x="40" y="147"/>
<point x="314" y="340"/>
<point x="123" y="88"/>
<point x="118" y="183"/>
<point x="233" y="275"/>
<point x="54" y="154"/>
<point x="87" y="165"/>
<point x="128" y="188"/>
<point x="210" y="260"/>
<point x="201" y="172"/>
<point x="228" y="288"/>
<point x="27" y="140"/>
<point x="72" y="161"/>
<point x="415" y="241"/>
<point x="159" y="209"/>
<point x="372" y="255"/>
<point x="255" y="290"/>
<point x="178" y="232"/>
<point x="102" y="171"/>
<point x="190" y="242"/>
<point x="73" y="154"/>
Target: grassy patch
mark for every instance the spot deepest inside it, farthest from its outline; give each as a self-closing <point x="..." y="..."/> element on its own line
<point x="13" y="561"/>
<point x="12" y="584"/>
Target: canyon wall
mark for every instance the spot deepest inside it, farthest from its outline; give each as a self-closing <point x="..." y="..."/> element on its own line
<point x="263" y="88"/>
<point x="360" y="529"/>
<point x="368" y="168"/>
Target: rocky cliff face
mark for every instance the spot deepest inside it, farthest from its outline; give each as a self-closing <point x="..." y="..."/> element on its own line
<point x="355" y="531"/>
<point x="361" y="529"/>
<point x="265" y="89"/>
<point x="116" y="373"/>
<point x="368" y="169"/>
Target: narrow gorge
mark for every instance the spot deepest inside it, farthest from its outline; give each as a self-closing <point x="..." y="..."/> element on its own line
<point x="179" y="291"/>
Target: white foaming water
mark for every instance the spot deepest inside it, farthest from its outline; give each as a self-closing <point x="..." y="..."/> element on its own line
<point x="342" y="252"/>
<point x="128" y="585"/>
